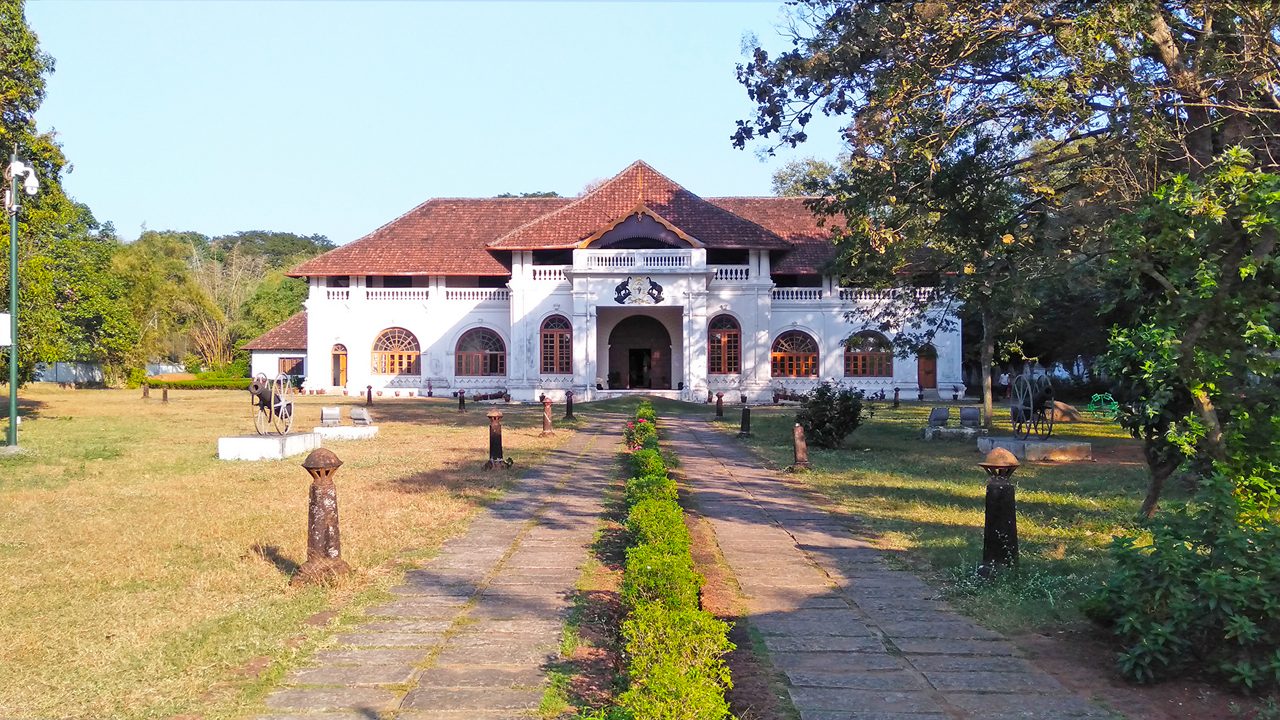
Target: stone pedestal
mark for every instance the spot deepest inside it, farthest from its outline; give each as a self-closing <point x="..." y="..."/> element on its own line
<point x="266" y="447"/>
<point x="347" y="432"/>
<point x="1039" y="450"/>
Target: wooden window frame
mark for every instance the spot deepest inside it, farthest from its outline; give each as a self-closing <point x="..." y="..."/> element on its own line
<point x="483" y="362"/>
<point x="794" y="363"/>
<point x="396" y="352"/>
<point x="872" y="357"/>
<point x="556" y="346"/>
<point x="724" y="346"/>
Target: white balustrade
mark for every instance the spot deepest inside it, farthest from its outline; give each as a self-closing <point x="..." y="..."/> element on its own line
<point x="797" y="294"/>
<point x="552" y="273"/>
<point x="733" y="272"/>
<point x="391" y="294"/>
<point x="337" y="294"/>
<point x="477" y="294"/>
<point x="635" y="259"/>
<point x="866" y="295"/>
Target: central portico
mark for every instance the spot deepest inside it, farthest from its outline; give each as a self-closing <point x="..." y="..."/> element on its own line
<point x="637" y="286"/>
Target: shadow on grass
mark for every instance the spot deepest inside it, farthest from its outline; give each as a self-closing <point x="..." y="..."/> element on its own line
<point x="272" y="554"/>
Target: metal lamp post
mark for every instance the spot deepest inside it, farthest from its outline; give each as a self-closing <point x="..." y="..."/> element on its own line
<point x="15" y="170"/>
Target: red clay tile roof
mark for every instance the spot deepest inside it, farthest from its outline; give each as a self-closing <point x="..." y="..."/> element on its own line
<point x="288" y="335"/>
<point x="617" y="197"/>
<point x="443" y="236"/>
<point x="460" y="236"/>
<point x="791" y="220"/>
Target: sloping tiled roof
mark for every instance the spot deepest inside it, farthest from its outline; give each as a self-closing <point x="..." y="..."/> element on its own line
<point x="617" y="197"/>
<point x="444" y="236"/>
<point x="790" y="219"/>
<point x="460" y="236"/>
<point x="288" y="335"/>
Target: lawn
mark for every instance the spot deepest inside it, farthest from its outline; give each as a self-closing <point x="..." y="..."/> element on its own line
<point x="144" y="578"/>
<point x="925" y="500"/>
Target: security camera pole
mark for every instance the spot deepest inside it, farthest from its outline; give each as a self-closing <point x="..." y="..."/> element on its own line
<point x="29" y="185"/>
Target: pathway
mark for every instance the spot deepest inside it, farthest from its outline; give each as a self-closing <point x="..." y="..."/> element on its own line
<point x="856" y="639"/>
<point x="468" y="635"/>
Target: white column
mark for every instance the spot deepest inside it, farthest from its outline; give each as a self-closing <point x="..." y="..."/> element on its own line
<point x="695" y="346"/>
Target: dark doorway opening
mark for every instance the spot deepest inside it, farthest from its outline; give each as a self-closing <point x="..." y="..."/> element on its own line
<point x="640" y="354"/>
<point x="639" y="361"/>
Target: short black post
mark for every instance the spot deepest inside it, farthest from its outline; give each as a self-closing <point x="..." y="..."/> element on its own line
<point x="920" y="393"/>
<point x="164" y="395"/>
<point x="368" y="395"/>
<point x="801" y="449"/>
<point x="719" y="404"/>
<point x="146" y="392"/>
<point x="495" y="441"/>
<point x="430" y="391"/>
<point x="568" y="405"/>
<point x="1000" y="530"/>
<point x="895" y="398"/>
<point x="546" y="417"/>
<point x="745" y="430"/>
<point x="462" y="401"/>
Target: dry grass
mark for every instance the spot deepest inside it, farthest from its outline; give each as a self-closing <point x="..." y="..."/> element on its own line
<point x="140" y="574"/>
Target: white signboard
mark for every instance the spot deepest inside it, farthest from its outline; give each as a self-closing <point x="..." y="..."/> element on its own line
<point x="4" y="330"/>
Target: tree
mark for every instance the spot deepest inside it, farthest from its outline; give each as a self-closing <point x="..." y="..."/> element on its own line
<point x="1094" y="103"/>
<point x="539" y="194"/>
<point x="800" y="178"/>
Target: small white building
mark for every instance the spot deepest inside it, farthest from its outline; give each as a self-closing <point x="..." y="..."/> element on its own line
<point x="639" y="285"/>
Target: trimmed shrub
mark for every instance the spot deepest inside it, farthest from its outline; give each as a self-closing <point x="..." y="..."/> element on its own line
<point x="227" y="384"/>
<point x="640" y="433"/>
<point x="829" y="414"/>
<point x="677" y="664"/>
<point x="653" y="575"/>
<point x="658" y="522"/>
<point x="645" y="487"/>
<point x="648" y="462"/>
<point x="645" y="412"/>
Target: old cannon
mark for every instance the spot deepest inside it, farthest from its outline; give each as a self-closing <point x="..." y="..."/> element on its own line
<point x="272" y="402"/>
<point x="1031" y="406"/>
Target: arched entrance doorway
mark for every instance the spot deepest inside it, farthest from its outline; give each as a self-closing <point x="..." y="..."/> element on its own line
<point x="640" y="354"/>
<point x="927" y="367"/>
<point x="340" y="365"/>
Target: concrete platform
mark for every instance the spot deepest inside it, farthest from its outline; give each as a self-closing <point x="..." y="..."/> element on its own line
<point x="1039" y="450"/>
<point x="347" y="432"/>
<point x="266" y="447"/>
<point x="951" y="433"/>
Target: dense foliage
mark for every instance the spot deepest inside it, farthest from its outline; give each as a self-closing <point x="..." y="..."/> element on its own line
<point x="829" y="414"/>
<point x="675" y="650"/>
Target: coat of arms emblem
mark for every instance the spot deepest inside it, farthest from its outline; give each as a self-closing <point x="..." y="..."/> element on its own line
<point x="638" y="291"/>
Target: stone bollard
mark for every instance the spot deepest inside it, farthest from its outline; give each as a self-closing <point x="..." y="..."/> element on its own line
<point x="920" y="394"/>
<point x="895" y="398"/>
<point x="801" y="449"/>
<point x="368" y="395"/>
<point x="430" y="391"/>
<point x="495" y="442"/>
<point x="1000" y="529"/>
<point x="745" y="430"/>
<point x="146" y="392"/>
<point x="568" y="405"/>
<point x="164" y="395"/>
<point x="324" y="544"/>
<point x="546" y="417"/>
<point x="719" y="404"/>
<point x="462" y="401"/>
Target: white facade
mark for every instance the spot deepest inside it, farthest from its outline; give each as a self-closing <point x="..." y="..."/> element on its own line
<point x="598" y="291"/>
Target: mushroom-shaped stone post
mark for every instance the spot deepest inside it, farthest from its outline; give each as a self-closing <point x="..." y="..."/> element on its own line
<point x="546" y="417"/>
<point x="801" y="449"/>
<point x="719" y="404"/>
<point x="1000" y="530"/>
<point x="568" y="405"/>
<point x="324" y="544"/>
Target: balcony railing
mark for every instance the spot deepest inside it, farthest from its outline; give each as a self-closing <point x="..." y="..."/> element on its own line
<point x="629" y="260"/>
<point x="478" y="294"/>
<point x="797" y="294"/>
<point x="864" y="295"/>
<point x="385" y="294"/>
<point x="337" y="294"/>
<point x="733" y="272"/>
<point x="550" y="273"/>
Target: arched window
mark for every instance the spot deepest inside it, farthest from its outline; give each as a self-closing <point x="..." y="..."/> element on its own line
<point x="396" y="352"/>
<point x="481" y="352"/>
<point x="868" y="354"/>
<point x="795" y="354"/>
<point x="557" y="346"/>
<point x="724" y="346"/>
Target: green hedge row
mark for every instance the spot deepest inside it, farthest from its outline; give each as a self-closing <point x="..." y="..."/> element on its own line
<point x="675" y="650"/>
<point x="221" y="384"/>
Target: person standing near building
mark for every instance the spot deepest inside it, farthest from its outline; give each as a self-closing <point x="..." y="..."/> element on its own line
<point x="1002" y="384"/>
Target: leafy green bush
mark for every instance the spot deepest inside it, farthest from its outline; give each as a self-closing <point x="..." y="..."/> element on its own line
<point x="658" y="522"/>
<point x="677" y="669"/>
<point x="640" y="433"/>
<point x="645" y="412"/>
<point x="829" y="414"/>
<point x="644" y="487"/>
<point x="137" y="376"/>
<point x="1202" y="595"/>
<point x="648" y="462"/>
<point x="233" y="370"/>
<point x="226" y="384"/>
<point x="654" y="575"/>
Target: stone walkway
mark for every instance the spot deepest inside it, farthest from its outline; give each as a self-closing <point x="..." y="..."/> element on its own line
<point x="856" y="639"/>
<point x="470" y="633"/>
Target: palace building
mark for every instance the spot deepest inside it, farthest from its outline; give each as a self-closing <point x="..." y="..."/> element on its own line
<point x="637" y="286"/>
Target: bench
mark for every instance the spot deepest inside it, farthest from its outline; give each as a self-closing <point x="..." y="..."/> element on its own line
<point x="939" y="417"/>
<point x="970" y="417"/>
<point x="331" y="416"/>
<point x="360" y="416"/>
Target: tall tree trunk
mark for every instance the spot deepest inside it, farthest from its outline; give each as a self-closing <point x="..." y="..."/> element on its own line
<point x="1161" y="463"/>
<point x="988" y="356"/>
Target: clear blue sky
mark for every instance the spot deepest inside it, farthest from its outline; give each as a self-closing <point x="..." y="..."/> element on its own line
<point x="335" y="117"/>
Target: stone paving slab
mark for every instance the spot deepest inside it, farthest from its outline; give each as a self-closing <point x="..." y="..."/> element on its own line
<point x="855" y="638"/>
<point x="468" y="634"/>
